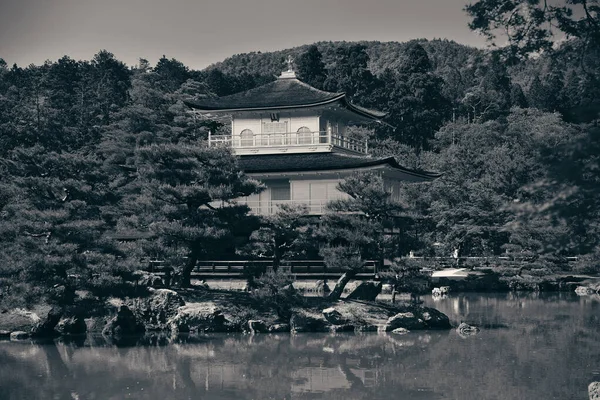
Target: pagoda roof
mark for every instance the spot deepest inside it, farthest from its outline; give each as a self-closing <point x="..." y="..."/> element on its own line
<point x="281" y="94"/>
<point x="278" y="163"/>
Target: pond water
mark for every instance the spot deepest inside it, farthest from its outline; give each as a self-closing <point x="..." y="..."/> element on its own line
<point x="531" y="346"/>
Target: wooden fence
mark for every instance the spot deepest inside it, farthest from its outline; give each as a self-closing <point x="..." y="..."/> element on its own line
<point x="316" y="269"/>
<point x="300" y="269"/>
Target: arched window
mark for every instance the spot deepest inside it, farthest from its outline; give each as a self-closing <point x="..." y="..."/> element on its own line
<point x="304" y="135"/>
<point x="246" y="138"/>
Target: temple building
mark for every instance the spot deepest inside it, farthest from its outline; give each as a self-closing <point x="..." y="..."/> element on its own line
<point x="294" y="138"/>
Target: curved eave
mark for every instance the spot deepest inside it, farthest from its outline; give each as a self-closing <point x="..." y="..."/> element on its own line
<point x="217" y="109"/>
<point x="389" y="162"/>
<point x="365" y="112"/>
<point x="424" y="175"/>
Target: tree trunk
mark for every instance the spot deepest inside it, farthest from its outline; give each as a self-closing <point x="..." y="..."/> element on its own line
<point x="186" y="274"/>
<point x="337" y="291"/>
<point x="276" y="256"/>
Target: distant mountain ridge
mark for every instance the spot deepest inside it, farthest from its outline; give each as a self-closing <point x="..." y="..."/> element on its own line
<point x="444" y="55"/>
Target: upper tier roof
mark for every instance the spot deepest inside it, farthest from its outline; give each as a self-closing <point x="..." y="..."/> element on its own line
<point x="283" y="93"/>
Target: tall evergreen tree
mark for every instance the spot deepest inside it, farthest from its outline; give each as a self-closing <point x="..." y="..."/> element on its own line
<point x="311" y="68"/>
<point x="416" y="105"/>
<point x="350" y="74"/>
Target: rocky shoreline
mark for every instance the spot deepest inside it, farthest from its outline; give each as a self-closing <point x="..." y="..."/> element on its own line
<point x="171" y="314"/>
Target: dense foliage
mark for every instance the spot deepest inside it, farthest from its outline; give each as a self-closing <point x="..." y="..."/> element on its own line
<point x="93" y="151"/>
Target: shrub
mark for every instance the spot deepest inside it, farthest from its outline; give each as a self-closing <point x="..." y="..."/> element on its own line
<point x="274" y="290"/>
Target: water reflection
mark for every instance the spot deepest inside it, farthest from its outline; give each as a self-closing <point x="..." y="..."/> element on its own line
<point x="543" y="347"/>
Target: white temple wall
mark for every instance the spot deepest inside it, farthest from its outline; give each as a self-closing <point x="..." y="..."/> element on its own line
<point x="312" y="190"/>
<point x="239" y="124"/>
<point x="311" y="122"/>
<point x="293" y="122"/>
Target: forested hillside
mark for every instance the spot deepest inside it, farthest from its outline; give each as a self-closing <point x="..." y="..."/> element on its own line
<point x="90" y="150"/>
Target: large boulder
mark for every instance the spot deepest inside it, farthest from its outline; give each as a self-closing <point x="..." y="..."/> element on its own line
<point x="367" y="290"/>
<point x="148" y="279"/>
<point x="257" y="326"/>
<point x="304" y="321"/>
<point x="157" y="309"/>
<point x="406" y="320"/>
<point x="45" y="327"/>
<point x="434" y="319"/>
<point x="334" y="316"/>
<point x="19" y="319"/>
<point x="198" y="317"/>
<point x="594" y="391"/>
<point x="74" y="325"/>
<point x="123" y="324"/>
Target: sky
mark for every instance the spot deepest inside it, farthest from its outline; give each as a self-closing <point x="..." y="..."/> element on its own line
<point x="202" y="32"/>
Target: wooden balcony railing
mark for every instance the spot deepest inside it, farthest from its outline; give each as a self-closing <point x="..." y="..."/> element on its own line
<point x="291" y="139"/>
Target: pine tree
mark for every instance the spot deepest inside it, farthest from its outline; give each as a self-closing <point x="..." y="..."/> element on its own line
<point x="190" y="191"/>
<point x="284" y="235"/>
<point x="54" y="228"/>
<point x="353" y="229"/>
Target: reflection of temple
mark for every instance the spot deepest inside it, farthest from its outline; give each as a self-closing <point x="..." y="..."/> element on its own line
<point x="296" y="140"/>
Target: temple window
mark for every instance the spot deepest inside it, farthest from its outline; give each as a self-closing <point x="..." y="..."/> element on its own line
<point x="304" y="135"/>
<point x="274" y="133"/>
<point x="280" y="191"/>
<point x="247" y="138"/>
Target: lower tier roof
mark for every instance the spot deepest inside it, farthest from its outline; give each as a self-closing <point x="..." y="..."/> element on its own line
<point x="314" y="162"/>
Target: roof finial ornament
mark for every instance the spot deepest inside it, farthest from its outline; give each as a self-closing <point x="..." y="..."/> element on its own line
<point x="290" y="70"/>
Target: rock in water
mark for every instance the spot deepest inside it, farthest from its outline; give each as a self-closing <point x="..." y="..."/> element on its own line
<point x="594" y="391"/>
<point x="303" y="321"/>
<point x="71" y="326"/>
<point x="19" y="335"/>
<point x="45" y="328"/>
<point x="367" y="290"/>
<point x="279" y="328"/>
<point x="434" y="319"/>
<point x="405" y="320"/>
<point x="199" y="317"/>
<point x="401" y="331"/>
<point x="584" y="291"/>
<point x="257" y="326"/>
<point x="156" y="309"/>
<point x="334" y="316"/>
<point x="466" y="330"/>
<point x="342" y="328"/>
<point x="123" y="324"/>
